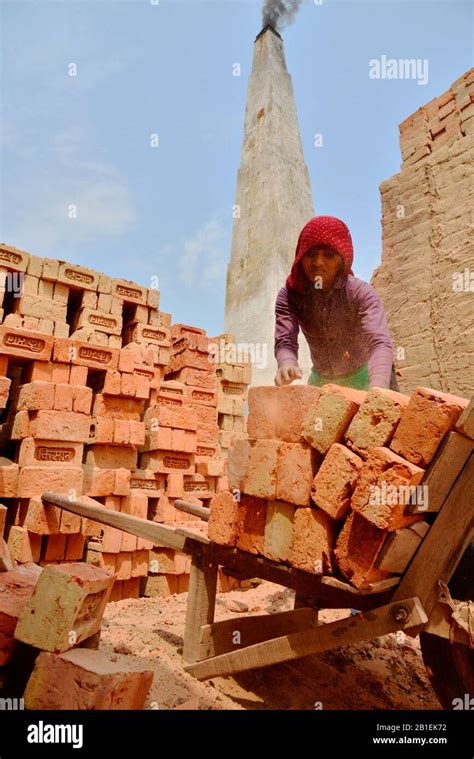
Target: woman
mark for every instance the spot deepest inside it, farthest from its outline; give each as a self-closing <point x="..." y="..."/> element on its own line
<point x="341" y="316"/>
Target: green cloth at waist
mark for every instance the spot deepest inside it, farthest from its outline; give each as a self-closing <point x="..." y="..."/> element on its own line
<point x="358" y="379"/>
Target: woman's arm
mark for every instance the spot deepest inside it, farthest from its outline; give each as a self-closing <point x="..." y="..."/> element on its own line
<point x="286" y="331"/>
<point x="374" y="324"/>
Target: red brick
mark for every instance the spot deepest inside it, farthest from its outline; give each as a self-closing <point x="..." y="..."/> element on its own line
<point x="262" y="418"/>
<point x="74" y="547"/>
<point x="171" y="413"/>
<point x="34" y="480"/>
<point x="296" y="466"/>
<point x="60" y="425"/>
<point x="251" y="521"/>
<point x="112" y="456"/>
<point x="78" y="375"/>
<point x="24" y="547"/>
<point x="40" y="518"/>
<point x="203" y="396"/>
<point x="329" y="417"/>
<point x="374" y="496"/>
<point x="123" y="565"/>
<point x="356" y="551"/>
<point x="293" y="403"/>
<point x="24" y="343"/>
<point x="82" y="400"/>
<point x="159" y="585"/>
<point x="9" y="476"/>
<point x="376" y="420"/>
<point x="223" y="521"/>
<point x="102" y="430"/>
<point x="64" y="397"/>
<point x="126" y="361"/>
<point x="121" y="432"/>
<point x="117" y="408"/>
<point x="16" y="587"/>
<point x="87" y="679"/>
<point x="60" y="373"/>
<point x="70" y="523"/>
<point x="165" y="462"/>
<point x="261" y="479"/>
<point x="81" y="353"/>
<point x="196" y="377"/>
<point x="279" y="530"/>
<point x="67" y="598"/>
<point x="179" y="329"/>
<point x="140" y="563"/>
<point x="429" y="415"/>
<point x="3" y="519"/>
<point x="48" y="453"/>
<point x="54" y="547"/>
<point x="5" y="385"/>
<point x="313" y="538"/>
<point x="335" y="481"/>
<point x="7" y="562"/>
<point x="131" y="588"/>
<point x="35" y="396"/>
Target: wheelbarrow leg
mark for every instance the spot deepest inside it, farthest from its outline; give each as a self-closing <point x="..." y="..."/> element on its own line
<point x="201" y="602"/>
<point x="303" y="601"/>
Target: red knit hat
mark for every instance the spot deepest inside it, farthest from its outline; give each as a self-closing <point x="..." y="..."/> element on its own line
<point x="324" y="231"/>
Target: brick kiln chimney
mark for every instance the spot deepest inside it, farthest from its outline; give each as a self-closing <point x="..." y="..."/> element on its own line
<point x="272" y="203"/>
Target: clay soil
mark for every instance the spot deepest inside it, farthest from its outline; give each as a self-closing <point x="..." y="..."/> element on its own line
<point x="385" y="673"/>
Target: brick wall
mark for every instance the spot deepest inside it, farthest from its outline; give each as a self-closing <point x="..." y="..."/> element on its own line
<point x="426" y="276"/>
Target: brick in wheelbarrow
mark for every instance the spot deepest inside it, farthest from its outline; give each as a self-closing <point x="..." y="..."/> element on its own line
<point x="376" y="420"/>
<point x="328" y="419"/>
<point x="429" y="415"/>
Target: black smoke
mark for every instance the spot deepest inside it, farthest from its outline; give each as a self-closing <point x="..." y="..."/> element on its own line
<point x="279" y="13"/>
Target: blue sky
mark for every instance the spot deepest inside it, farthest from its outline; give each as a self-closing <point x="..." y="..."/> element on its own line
<point x="166" y="69"/>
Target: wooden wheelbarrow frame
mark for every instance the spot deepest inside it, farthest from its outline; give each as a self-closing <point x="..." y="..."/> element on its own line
<point x="409" y="603"/>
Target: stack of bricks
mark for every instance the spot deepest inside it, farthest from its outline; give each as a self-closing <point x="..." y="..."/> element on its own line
<point x="87" y="412"/>
<point x="442" y="121"/>
<point x="233" y="379"/>
<point x="325" y="480"/>
<point x="50" y="622"/>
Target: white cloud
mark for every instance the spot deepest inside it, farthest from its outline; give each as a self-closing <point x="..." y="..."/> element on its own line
<point x="205" y="254"/>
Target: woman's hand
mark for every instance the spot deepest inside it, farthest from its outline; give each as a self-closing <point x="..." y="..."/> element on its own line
<point x="287" y="373"/>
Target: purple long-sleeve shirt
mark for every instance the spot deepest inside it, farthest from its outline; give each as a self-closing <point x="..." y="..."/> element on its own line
<point x="344" y="328"/>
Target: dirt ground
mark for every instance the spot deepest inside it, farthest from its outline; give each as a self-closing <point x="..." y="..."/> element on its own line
<point x="386" y="673"/>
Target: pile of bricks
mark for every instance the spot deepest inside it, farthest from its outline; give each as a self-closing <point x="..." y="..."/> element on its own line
<point x="442" y="121"/>
<point x="104" y="398"/>
<point x="233" y="379"/>
<point x="325" y="481"/>
<point x="50" y="623"/>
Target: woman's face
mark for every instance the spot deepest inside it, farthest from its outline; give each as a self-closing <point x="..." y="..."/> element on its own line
<point x="322" y="264"/>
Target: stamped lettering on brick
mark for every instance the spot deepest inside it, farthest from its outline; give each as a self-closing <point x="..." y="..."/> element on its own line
<point x="232" y="390"/>
<point x="196" y="487"/>
<point x="168" y="401"/>
<point x="128" y="292"/>
<point x="102" y="321"/>
<point x="10" y="255"/>
<point x="33" y="344"/>
<point x="201" y="451"/>
<point x="44" y="453"/>
<point x="79" y="276"/>
<point x="95" y="354"/>
<point x="198" y="395"/>
<point x="153" y="334"/>
<point x="146" y="484"/>
<point x="173" y="462"/>
<point x="148" y="375"/>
